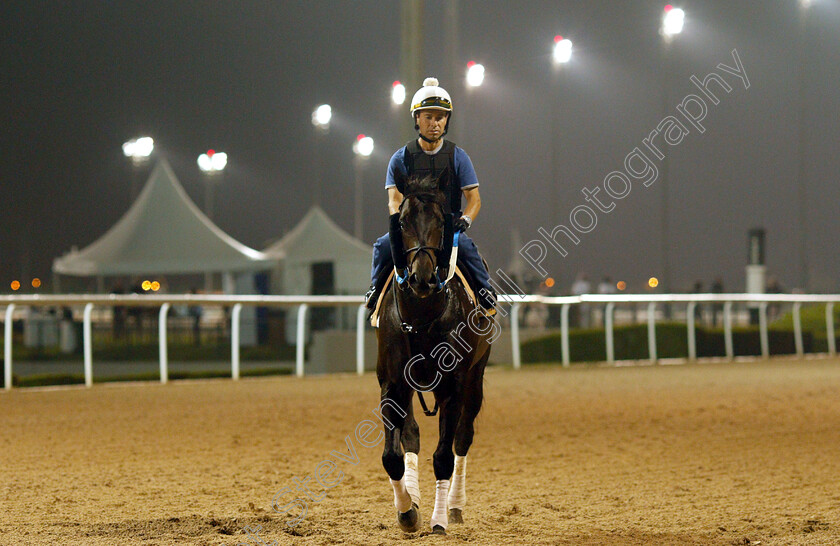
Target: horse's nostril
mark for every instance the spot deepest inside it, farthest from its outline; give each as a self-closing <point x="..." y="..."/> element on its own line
<point x="412" y="278"/>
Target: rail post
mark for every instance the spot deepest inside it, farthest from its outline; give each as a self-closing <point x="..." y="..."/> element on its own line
<point x="609" y="317"/>
<point x="727" y="330"/>
<point x="692" y="334"/>
<point x="564" y="333"/>
<point x="514" y="335"/>
<point x="88" y="344"/>
<point x="164" y="354"/>
<point x="235" y="313"/>
<point x="762" y="327"/>
<point x="651" y="312"/>
<point x="7" y="346"/>
<point x="829" y="329"/>
<point x="300" y="343"/>
<point x="797" y="330"/>
<point x="360" y="339"/>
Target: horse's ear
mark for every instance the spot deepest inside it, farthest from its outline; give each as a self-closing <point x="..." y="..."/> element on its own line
<point x="443" y="180"/>
<point x="399" y="180"/>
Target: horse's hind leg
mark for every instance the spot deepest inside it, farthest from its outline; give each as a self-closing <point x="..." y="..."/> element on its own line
<point x="473" y="397"/>
<point x="395" y="404"/>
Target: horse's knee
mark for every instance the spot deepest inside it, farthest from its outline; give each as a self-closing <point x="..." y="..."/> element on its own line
<point x="444" y="463"/>
<point x="464" y="439"/>
<point x="393" y="463"/>
<point x="411" y="436"/>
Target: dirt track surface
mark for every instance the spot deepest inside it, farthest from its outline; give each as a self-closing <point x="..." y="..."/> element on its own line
<point x="730" y="453"/>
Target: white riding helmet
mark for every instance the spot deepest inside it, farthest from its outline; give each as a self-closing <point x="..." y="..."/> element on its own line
<point x="431" y="95"/>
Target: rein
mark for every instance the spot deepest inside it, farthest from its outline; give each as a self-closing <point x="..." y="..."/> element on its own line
<point x="405" y="327"/>
<point x="408" y="328"/>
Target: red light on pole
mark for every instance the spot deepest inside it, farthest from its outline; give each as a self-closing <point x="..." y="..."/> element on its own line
<point x="210" y="153"/>
<point x="668" y="8"/>
<point x="557" y="38"/>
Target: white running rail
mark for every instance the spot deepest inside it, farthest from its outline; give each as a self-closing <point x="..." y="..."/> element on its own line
<point x="303" y="303"/>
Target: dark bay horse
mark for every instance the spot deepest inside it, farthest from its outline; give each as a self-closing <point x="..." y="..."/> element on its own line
<point x="431" y="337"/>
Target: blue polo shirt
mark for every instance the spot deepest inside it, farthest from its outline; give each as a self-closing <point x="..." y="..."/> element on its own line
<point x="464" y="170"/>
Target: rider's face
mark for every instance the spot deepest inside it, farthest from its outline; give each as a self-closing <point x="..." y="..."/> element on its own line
<point x="432" y="122"/>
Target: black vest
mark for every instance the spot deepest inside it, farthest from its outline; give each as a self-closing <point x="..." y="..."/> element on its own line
<point x="419" y="163"/>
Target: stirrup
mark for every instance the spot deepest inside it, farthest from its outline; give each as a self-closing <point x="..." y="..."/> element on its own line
<point x="370" y="300"/>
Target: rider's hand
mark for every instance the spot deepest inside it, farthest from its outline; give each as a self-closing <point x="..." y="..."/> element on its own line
<point x="462" y="223"/>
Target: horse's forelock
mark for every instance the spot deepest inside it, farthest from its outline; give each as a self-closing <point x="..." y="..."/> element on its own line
<point x="427" y="184"/>
<point x="425" y="189"/>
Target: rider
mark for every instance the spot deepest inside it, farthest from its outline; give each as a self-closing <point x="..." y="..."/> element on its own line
<point x="430" y="154"/>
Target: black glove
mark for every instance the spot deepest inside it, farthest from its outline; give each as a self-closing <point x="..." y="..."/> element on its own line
<point x="461" y="224"/>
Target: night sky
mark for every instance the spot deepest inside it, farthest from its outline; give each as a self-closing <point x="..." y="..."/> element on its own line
<point x="81" y="77"/>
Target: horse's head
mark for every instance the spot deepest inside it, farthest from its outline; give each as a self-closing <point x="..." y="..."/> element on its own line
<point x="422" y="221"/>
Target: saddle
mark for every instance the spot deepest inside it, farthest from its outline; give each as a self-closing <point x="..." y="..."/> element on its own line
<point x="374" y="317"/>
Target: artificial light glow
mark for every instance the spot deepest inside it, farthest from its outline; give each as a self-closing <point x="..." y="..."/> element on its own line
<point x="147" y="285"/>
<point x="398" y="93"/>
<point x="219" y="161"/>
<point x="212" y="161"/>
<point x="36" y="283"/>
<point x="475" y="74"/>
<point x="562" y="50"/>
<point x="653" y="282"/>
<point x="672" y="21"/>
<point x="321" y="116"/>
<point x="549" y="282"/>
<point x="621" y="285"/>
<point x="15" y="285"/>
<point x="155" y="286"/>
<point x="139" y="148"/>
<point x="363" y="146"/>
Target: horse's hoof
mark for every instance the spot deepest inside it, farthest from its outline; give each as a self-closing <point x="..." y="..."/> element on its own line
<point x="438" y="530"/>
<point x="455" y="515"/>
<point x="409" y="521"/>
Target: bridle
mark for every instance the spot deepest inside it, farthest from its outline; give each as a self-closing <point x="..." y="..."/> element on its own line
<point x="426" y="249"/>
<point x="401" y="281"/>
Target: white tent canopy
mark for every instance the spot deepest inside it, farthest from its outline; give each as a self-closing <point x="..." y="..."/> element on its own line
<point x="318" y="257"/>
<point x="317" y="239"/>
<point x="163" y="232"/>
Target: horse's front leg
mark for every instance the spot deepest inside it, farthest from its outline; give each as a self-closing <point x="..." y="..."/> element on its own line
<point x="395" y="405"/>
<point x="472" y="399"/>
<point x="410" y="439"/>
<point x="444" y="462"/>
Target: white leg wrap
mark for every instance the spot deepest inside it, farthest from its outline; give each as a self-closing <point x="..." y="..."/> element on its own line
<point x="402" y="500"/>
<point x="440" y="515"/>
<point x="458" y="491"/>
<point x="412" y="482"/>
